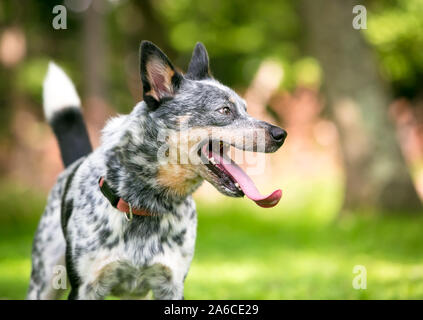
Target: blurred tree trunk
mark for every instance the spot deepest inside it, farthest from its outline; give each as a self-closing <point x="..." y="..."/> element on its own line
<point x="154" y="28"/>
<point x="376" y="172"/>
<point x="94" y="50"/>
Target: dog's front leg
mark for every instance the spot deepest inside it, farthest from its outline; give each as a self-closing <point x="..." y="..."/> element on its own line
<point x="168" y="291"/>
<point x="165" y="283"/>
<point x="91" y="288"/>
<point x="88" y="292"/>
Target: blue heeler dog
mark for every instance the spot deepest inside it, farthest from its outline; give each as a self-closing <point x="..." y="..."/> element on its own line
<point x="120" y="218"/>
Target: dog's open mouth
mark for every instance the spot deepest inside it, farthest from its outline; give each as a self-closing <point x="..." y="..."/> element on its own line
<point x="231" y="176"/>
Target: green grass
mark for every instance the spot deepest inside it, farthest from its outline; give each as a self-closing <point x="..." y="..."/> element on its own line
<point x="241" y="255"/>
<point x="244" y="252"/>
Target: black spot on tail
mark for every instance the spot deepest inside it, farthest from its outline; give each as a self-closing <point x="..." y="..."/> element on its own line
<point x="69" y="127"/>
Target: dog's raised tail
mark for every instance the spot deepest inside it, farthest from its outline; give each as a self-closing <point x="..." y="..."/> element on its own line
<point x="62" y="109"/>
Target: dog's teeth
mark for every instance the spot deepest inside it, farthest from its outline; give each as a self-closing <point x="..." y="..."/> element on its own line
<point x="212" y="160"/>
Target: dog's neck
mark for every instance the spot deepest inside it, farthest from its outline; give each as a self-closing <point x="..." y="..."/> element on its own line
<point x="131" y="145"/>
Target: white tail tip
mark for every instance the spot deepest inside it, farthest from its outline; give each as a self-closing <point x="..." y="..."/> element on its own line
<point x="58" y="91"/>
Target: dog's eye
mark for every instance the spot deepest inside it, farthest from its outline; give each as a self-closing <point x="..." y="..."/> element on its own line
<point x="225" y="111"/>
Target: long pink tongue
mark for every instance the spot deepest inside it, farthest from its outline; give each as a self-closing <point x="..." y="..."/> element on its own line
<point x="247" y="185"/>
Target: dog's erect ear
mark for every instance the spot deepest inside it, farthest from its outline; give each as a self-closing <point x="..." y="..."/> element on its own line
<point x="198" y="68"/>
<point x="159" y="78"/>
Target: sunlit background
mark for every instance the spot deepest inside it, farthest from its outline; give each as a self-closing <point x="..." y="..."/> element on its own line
<point x="350" y="169"/>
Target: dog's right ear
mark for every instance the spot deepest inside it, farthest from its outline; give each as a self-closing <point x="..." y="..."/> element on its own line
<point x="198" y="68"/>
<point x="159" y="78"/>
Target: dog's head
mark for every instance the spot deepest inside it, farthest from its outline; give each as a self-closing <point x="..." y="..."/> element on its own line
<point x="203" y="118"/>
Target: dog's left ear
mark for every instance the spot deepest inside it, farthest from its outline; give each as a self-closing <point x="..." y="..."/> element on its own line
<point x="159" y="78"/>
<point x="198" y="68"/>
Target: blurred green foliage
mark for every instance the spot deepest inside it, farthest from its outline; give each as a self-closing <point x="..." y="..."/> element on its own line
<point x="238" y="38"/>
<point x="395" y="30"/>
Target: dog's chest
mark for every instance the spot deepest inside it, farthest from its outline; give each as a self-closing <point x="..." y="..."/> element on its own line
<point x="156" y="252"/>
<point x="171" y="246"/>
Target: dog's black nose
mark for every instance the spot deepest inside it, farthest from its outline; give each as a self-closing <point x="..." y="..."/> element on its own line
<point x="278" y="134"/>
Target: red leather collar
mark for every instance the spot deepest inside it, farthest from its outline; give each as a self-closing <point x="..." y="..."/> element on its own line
<point x="118" y="202"/>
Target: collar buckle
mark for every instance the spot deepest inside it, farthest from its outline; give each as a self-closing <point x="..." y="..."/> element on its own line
<point x="129" y="215"/>
<point x="120" y="204"/>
